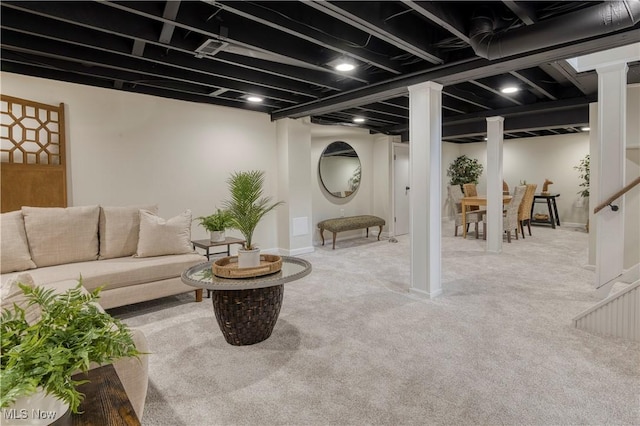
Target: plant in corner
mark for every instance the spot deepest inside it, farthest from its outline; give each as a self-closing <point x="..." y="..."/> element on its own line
<point x="584" y="169"/>
<point x="216" y="224"/>
<point x="246" y="208"/>
<point x="71" y="333"/>
<point x="464" y="170"/>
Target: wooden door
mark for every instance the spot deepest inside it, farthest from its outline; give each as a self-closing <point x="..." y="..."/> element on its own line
<point x="32" y="153"/>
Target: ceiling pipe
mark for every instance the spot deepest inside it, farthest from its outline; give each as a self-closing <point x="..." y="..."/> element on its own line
<point x="597" y="20"/>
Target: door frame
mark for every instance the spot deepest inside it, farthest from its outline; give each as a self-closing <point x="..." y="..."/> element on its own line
<point x="397" y="145"/>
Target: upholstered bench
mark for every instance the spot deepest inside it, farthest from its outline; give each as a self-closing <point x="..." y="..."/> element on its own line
<point x="350" y="223"/>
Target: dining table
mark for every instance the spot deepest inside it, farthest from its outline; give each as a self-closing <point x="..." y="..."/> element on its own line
<point x="476" y="200"/>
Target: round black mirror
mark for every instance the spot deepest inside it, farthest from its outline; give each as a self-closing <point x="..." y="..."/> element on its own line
<point x="340" y="169"/>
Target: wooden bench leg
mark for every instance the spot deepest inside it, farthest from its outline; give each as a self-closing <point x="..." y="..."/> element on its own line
<point x="367" y="232"/>
<point x="334" y="240"/>
<point x="322" y="235"/>
<point x="199" y="295"/>
<point x="379" y="232"/>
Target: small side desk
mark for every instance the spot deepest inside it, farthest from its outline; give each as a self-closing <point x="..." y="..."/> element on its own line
<point x="208" y="244"/>
<point x="550" y="200"/>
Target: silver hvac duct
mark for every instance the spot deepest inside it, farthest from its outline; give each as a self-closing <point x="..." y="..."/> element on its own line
<point x="597" y="20"/>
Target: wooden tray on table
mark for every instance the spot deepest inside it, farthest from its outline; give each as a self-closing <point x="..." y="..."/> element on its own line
<point x="227" y="267"/>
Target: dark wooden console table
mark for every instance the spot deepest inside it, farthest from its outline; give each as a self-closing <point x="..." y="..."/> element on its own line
<point x="550" y="200"/>
<point x="105" y="401"/>
<point x="208" y="244"/>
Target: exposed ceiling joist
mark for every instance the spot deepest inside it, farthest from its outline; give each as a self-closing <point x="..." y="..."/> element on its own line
<point x="366" y="20"/>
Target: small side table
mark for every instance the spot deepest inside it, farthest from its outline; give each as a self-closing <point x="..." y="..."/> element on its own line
<point x="550" y="200"/>
<point x="105" y="401"/>
<point x="208" y="244"/>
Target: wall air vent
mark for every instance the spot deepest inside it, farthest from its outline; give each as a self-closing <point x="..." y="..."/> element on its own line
<point x="210" y="48"/>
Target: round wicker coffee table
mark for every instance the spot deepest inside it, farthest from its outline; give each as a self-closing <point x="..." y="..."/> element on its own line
<point x="247" y="308"/>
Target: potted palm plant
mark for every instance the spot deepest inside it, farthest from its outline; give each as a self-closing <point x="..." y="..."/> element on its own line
<point x="40" y="355"/>
<point x="216" y="224"/>
<point x="246" y="208"/>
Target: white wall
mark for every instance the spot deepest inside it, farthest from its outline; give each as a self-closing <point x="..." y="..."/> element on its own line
<point x="126" y="148"/>
<point x="326" y="206"/>
<point x="535" y="159"/>
<point x="632" y="171"/>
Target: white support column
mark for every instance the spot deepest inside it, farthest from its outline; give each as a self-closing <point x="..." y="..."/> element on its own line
<point x="425" y="136"/>
<point x="295" y="230"/>
<point x="612" y="113"/>
<point x="495" y="129"/>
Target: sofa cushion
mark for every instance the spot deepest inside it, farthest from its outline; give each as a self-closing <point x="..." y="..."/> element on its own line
<point x="62" y="235"/>
<point x="118" y="272"/>
<point x="12" y="294"/>
<point x="159" y="237"/>
<point x="119" y="229"/>
<point x="14" y="249"/>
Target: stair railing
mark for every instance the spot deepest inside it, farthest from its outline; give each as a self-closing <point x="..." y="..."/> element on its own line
<point x="615" y="196"/>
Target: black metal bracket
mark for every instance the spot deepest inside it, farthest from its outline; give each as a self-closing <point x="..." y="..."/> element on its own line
<point x="613" y="207"/>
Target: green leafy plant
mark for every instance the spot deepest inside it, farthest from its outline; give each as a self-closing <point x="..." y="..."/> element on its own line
<point x="71" y="333"/>
<point x="247" y="205"/>
<point x="218" y="221"/>
<point x="464" y="170"/>
<point x="584" y="169"/>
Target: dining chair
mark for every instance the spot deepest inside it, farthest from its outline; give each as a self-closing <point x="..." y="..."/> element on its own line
<point x="455" y="196"/>
<point x="524" y="212"/>
<point x="470" y="190"/>
<point x="510" y="215"/>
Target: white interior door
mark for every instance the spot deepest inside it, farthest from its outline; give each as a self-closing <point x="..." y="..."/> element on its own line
<point x="401" y="188"/>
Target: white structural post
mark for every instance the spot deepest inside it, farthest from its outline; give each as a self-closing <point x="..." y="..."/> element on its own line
<point x="294" y="187"/>
<point x="425" y="144"/>
<point x="495" y="129"/>
<point x="612" y="113"/>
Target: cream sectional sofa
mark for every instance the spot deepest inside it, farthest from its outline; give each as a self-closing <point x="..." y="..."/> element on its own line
<point x="131" y="252"/>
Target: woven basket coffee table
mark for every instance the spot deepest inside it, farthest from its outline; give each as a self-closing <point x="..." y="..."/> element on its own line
<point x="247" y="308"/>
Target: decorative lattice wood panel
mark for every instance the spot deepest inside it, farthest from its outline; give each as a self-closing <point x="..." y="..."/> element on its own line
<point x="32" y="154"/>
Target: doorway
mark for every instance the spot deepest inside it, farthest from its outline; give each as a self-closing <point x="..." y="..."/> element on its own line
<point x="401" y="188"/>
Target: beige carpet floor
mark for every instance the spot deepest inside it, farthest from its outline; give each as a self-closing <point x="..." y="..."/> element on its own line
<point x="353" y="347"/>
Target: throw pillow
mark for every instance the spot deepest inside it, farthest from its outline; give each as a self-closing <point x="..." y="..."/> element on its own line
<point x="62" y="235"/>
<point x="119" y="229"/>
<point x="11" y="294"/>
<point x="14" y="248"/>
<point x="159" y="237"/>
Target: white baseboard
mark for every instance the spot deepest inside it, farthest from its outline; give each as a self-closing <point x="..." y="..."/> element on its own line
<point x="298" y="251"/>
<point x="285" y="252"/>
<point x="573" y="225"/>
<point x="425" y="294"/>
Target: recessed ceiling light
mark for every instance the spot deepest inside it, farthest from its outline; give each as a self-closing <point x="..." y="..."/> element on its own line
<point x="509" y="89"/>
<point x="585" y="129"/>
<point x="345" y="66"/>
<point x="359" y="120"/>
<point x="254" y="99"/>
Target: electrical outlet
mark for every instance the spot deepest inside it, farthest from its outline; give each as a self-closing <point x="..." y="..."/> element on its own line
<point x="341" y="212"/>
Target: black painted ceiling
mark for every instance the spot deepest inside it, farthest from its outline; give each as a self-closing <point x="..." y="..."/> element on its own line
<point x="220" y="52"/>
